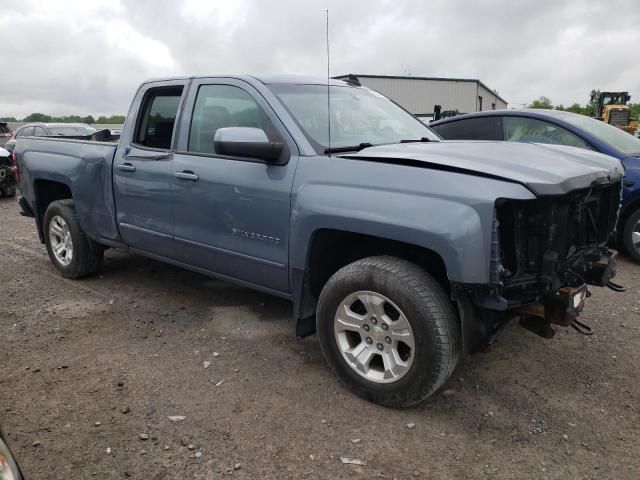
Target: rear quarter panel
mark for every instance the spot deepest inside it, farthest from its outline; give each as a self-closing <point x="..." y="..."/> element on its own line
<point x="84" y="167"/>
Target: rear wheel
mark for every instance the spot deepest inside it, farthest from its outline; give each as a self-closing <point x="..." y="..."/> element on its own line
<point x="388" y="330"/>
<point x="631" y="235"/>
<point x="70" y="250"/>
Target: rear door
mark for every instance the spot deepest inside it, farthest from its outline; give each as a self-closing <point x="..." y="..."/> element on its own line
<point x="232" y="214"/>
<point x="142" y="169"/>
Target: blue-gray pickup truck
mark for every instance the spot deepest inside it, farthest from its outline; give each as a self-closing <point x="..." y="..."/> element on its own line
<point x="400" y="250"/>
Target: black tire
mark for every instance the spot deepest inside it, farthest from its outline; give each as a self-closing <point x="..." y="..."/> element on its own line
<point x="87" y="254"/>
<point x="426" y="306"/>
<point x="627" y="235"/>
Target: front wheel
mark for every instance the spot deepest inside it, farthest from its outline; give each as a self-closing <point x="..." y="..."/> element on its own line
<point x="388" y="330"/>
<point x="631" y="235"/>
<point x="70" y="250"/>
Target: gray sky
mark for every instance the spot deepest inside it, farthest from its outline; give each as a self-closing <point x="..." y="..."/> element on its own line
<point x="87" y="57"/>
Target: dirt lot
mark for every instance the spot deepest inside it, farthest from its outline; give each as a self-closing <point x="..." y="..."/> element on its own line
<point x="92" y="365"/>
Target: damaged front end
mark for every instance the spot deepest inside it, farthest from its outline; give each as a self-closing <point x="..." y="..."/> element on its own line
<point x="544" y="254"/>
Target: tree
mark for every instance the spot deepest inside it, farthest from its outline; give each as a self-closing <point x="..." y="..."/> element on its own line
<point x="88" y="119"/>
<point x="37" y="117"/>
<point x="575" y="108"/>
<point x="8" y="119"/>
<point x="542" y="102"/>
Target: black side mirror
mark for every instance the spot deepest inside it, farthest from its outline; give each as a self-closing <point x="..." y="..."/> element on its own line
<point x="247" y="142"/>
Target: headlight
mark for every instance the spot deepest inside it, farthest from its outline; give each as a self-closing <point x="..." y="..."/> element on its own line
<point x="8" y="468"/>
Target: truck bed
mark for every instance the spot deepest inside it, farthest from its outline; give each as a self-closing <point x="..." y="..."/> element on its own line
<point x="85" y="167"/>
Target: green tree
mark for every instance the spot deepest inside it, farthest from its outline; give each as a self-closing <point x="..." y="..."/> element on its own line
<point x="8" y="119"/>
<point x="575" y="108"/>
<point x="542" y="102"/>
<point x="88" y="119"/>
<point x="37" y="117"/>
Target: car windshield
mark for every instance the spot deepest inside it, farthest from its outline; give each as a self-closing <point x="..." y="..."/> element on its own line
<point x="618" y="139"/>
<point x="72" y="130"/>
<point x="359" y="116"/>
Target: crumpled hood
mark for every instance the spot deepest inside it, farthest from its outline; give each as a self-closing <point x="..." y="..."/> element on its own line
<point x="544" y="169"/>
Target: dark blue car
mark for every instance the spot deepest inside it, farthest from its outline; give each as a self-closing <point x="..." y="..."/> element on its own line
<point x="561" y="128"/>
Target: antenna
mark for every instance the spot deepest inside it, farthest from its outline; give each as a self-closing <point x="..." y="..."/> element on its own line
<point x="328" y="89"/>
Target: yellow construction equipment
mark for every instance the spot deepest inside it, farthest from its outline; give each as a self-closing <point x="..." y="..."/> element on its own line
<point x="611" y="108"/>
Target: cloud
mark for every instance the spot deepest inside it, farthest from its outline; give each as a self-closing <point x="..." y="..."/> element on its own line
<point x="84" y="57"/>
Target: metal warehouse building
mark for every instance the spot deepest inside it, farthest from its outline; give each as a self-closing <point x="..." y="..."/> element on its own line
<point x="420" y="94"/>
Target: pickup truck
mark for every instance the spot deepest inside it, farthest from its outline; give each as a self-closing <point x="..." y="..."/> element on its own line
<point x="403" y="252"/>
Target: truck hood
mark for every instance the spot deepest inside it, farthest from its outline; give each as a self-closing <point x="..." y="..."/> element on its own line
<point x="542" y="168"/>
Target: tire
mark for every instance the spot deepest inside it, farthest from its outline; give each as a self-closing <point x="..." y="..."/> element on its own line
<point x="632" y="223"/>
<point x="84" y="256"/>
<point x="407" y="290"/>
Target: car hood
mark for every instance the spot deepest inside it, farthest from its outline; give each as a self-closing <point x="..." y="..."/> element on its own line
<point x="544" y="169"/>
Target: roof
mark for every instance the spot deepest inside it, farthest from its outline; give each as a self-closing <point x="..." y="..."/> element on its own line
<point x="435" y="79"/>
<point x="533" y="112"/>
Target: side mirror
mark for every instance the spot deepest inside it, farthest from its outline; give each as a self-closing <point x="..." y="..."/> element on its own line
<point x="247" y="142"/>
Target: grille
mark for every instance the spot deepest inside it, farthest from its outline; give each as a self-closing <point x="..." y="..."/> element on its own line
<point x="619" y="116"/>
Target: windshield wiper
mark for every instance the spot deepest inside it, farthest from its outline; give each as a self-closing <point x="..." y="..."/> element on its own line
<point x="356" y="148"/>
<point x="411" y="140"/>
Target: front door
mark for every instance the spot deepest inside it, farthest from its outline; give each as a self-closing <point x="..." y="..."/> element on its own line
<point x="231" y="214"/>
<point x="142" y="170"/>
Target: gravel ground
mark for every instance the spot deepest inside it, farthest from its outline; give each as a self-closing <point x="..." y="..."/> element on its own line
<point x="91" y="370"/>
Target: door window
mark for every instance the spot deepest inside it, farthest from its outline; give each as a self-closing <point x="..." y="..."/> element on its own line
<point x="158" y="118"/>
<point x="481" y="128"/>
<point x="220" y="106"/>
<point x="27" y="132"/>
<point x="523" y="129"/>
<point x="40" y="132"/>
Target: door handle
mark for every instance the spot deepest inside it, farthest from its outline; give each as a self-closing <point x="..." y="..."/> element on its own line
<point x="187" y="175"/>
<point x="126" y="167"/>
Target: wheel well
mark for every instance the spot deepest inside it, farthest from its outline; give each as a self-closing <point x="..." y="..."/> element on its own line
<point x="46" y="192"/>
<point x="628" y="210"/>
<point x="330" y="250"/>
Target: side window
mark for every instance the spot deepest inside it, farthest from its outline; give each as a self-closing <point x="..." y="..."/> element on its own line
<point x="523" y="129"/>
<point x="220" y="106"/>
<point x="482" y="128"/>
<point x="40" y="132"/>
<point x="27" y="132"/>
<point x="158" y="117"/>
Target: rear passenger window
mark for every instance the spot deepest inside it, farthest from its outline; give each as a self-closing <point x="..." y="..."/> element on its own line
<point x="40" y="132"/>
<point x="220" y="106"/>
<point x="482" y="128"/>
<point x="159" y="111"/>
<point x="524" y="129"/>
<point x="27" y="132"/>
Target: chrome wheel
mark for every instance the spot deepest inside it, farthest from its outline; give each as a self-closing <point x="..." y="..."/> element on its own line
<point x="374" y="337"/>
<point x="60" y="240"/>
<point x="635" y="237"/>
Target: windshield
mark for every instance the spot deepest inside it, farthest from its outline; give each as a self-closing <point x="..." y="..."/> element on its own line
<point x="72" y="130"/>
<point x="358" y="116"/>
<point x="618" y="139"/>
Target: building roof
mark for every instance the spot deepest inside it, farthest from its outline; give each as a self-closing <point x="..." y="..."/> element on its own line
<point x="436" y="79"/>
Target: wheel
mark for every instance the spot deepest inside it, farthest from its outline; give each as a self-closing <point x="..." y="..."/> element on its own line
<point x="388" y="330"/>
<point x="631" y="235"/>
<point x="70" y="250"/>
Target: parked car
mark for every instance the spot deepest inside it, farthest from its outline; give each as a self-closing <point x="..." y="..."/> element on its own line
<point x="8" y="183"/>
<point x="49" y="130"/>
<point x="9" y="469"/>
<point x="400" y="250"/>
<point x="562" y="128"/>
<point x="5" y="133"/>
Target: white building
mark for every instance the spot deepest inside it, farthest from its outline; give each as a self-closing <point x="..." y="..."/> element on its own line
<point x="420" y="94"/>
